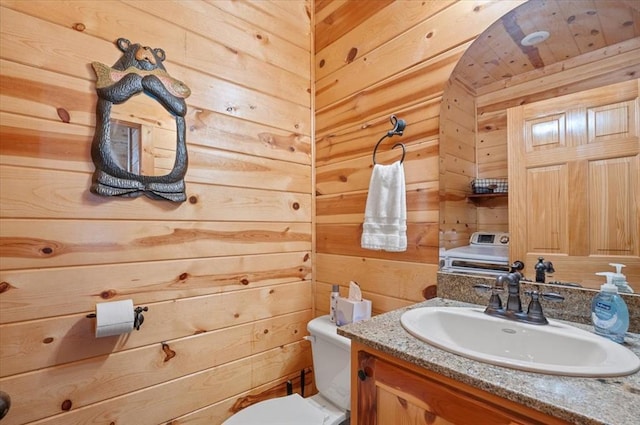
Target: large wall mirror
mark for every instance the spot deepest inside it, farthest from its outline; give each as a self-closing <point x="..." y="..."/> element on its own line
<point x="541" y="52"/>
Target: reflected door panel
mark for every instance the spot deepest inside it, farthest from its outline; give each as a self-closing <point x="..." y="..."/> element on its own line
<point x="574" y="182"/>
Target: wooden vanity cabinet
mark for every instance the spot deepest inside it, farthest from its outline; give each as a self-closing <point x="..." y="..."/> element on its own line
<point x="390" y="391"/>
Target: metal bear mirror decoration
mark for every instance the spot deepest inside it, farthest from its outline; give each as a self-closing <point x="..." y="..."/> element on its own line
<point x="139" y="70"/>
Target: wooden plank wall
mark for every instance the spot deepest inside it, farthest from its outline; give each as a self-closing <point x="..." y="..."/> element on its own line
<point x="458" y="165"/>
<point x="226" y="275"/>
<point x="390" y="57"/>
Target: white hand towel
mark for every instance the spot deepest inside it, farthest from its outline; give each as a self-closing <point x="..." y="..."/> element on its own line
<point x="385" y="216"/>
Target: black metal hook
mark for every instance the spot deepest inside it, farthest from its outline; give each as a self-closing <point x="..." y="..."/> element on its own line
<point x="398" y="126"/>
<point x="138" y="317"/>
<point x="397" y="130"/>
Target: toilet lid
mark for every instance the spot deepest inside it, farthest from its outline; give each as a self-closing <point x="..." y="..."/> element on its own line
<point x="289" y="410"/>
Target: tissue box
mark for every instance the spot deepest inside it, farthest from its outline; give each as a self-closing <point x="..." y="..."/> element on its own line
<point x="349" y="311"/>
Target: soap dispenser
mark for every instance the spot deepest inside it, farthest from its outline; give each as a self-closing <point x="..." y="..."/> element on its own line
<point x="620" y="280"/>
<point x="609" y="312"/>
<point x="333" y="302"/>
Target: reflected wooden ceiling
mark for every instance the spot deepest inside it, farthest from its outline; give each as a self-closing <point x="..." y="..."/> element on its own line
<point x="578" y="30"/>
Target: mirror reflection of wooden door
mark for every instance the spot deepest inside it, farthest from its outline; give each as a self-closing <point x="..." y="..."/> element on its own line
<point x="574" y="183"/>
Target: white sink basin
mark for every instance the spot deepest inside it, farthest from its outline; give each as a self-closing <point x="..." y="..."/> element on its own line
<point x="556" y="348"/>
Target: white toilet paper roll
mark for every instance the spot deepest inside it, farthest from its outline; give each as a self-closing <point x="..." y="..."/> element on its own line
<point x="114" y="318"/>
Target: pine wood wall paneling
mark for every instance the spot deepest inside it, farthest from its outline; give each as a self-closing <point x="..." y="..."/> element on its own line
<point x="458" y="158"/>
<point x="28" y="91"/>
<point x="286" y="19"/>
<point x="422" y="201"/>
<point x="603" y="67"/>
<point x="31" y="294"/>
<point x="41" y="194"/>
<point x="404" y="74"/>
<point x="170" y="23"/>
<point x="432" y="37"/>
<point x="163" y="402"/>
<point x="250" y="152"/>
<point x="66" y="243"/>
<point x="356" y="141"/>
<point x="388" y="96"/>
<point x="395" y="19"/>
<point x="407" y="278"/>
<point x="208" y="92"/>
<point x="420" y="165"/>
<point x="342" y="19"/>
<point x="109" y="375"/>
<point x="52" y="341"/>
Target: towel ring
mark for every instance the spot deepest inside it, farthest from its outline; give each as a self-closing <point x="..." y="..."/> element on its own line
<point x="397" y="130"/>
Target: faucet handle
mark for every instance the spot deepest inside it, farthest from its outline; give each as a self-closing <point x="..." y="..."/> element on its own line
<point x="534" y="311"/>
<point x="552" y="296"/>
<point x="495" y="303"/>
<point x="481" y="288"/>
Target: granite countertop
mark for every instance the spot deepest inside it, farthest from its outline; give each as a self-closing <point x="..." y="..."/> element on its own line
<point x="613" y="401"/>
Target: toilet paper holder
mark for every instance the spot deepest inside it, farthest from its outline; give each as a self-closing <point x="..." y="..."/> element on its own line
<point x="138" y="317"/>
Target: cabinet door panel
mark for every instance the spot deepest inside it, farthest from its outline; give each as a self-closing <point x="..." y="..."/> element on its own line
<point x="391" y="394"/>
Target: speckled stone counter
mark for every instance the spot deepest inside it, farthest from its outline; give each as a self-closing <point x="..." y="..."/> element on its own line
<point x="611" y="401"/>
<point x="576" y="306"/>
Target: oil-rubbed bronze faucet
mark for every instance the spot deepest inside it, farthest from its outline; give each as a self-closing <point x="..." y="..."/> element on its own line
<point x="542" y="268"/>
<point x="513" y="310"/>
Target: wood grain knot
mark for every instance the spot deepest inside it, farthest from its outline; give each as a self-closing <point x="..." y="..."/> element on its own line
<point x="244" y="281"/>
<point x="322" y="62"/>
<point x="64" y="115"/>
<point x="183" y="276"/>
<point x="79" y="26"/>
<point x="429" y="34"/>
<point x="47" y="340"/>
<point x="306" y="257"/>
<point x="266" y="331"/>
<point x="5" y="286"/>
<point x="352" y="54"/>
<point x="570" y="19"/>
<point x="47" y="250"/>
<point x="169" y="353"/>
<point x="110" y="293"/>
<point x="296" y="206"/>
<point x="66" y="405"/>
<point x="403" y="402"/>
<point x="429" y="417"/>
<point x="236" y="315"/>
<point x="193" y="199"/>
<point x="343" y="179"/>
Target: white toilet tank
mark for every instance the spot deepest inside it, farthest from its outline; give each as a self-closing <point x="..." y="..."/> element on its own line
<point x="331" y="361"/>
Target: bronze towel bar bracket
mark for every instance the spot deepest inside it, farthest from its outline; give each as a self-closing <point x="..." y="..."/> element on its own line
<point x="397" y="130"/>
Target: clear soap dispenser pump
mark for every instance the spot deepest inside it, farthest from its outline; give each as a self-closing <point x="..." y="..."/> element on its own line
<point x="620" y="280"/>
<point x="609" y="312"/>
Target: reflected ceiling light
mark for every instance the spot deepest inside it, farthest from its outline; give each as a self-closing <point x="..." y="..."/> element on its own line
<point x="534" y="38"/>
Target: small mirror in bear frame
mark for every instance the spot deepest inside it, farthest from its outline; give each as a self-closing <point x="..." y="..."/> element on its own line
<point x="138" y="71"/>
